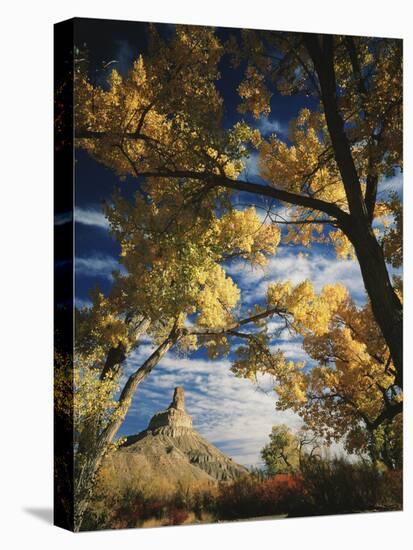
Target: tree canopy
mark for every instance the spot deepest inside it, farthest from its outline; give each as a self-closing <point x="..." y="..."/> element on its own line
<point x="162" y="124"/>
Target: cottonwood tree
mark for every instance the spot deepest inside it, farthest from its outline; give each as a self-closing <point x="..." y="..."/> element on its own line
<point x="286" y="450"/>
<point x="281" y="453"/>
<point x="341" y="150"/>
<point x="350" y="392"/>
<point x="163" y="122"/>
<point x="171" y="271"/>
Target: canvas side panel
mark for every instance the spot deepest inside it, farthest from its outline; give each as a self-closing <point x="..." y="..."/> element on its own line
<point x="63" y="274"/>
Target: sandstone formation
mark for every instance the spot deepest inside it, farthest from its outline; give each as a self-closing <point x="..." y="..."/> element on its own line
<point x="170" y="452"/>
<point x="174" y="418"/>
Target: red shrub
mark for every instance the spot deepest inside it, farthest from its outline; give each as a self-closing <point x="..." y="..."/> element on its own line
<point x="279" y="494"/>
<point x="252" y="498"/>
<point x="137" y="509"/>
<point x="176" y="516"/>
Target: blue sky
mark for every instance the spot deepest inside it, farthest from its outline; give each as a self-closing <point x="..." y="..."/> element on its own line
<point x="232" y="413"/>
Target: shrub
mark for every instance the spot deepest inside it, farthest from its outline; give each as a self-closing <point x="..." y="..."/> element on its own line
<point x="282" y="494"/>
<point x="323" y="487"/>
<point x="252" y="497"/>
<point x="339" y="486"/>
<point x="177" y="516"/>
<point x="137" y="507"/>
<point x="391" y="490"/>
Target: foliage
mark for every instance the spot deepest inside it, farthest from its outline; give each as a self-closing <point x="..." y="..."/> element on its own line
<point x="322" y="486"/>
<point x="165" y="117"/>
<point x="384" y="445"/>
<point x="170" y="272"/>
<point x="135" y="112"/>
<point x="162" y="124"/>
<point x="174" y="264"/>
<point x="286" y="449"/>
<point x="281" y="454"/>
<point x="81" y="396"/>
<point x="351" y="386"/>
<point x="94" y="399"/>
<point x="142" y="507"/>
<point x="391" y="493"/>
<point x="250" y="497"/>
<point x="337" y="153"/>
<point x="393" y="233"/>
<point x="338" y="486"/>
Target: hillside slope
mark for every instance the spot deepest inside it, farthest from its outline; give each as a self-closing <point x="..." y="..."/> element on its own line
<point x="169" y="453"/>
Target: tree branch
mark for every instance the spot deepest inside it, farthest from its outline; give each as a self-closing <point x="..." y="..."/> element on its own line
<point x="253" y="319"/>
<point x="133" y="382"/>
<point x="255" y="188"/>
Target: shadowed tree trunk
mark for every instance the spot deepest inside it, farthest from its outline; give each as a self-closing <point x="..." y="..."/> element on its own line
<point x="385" y="303"/>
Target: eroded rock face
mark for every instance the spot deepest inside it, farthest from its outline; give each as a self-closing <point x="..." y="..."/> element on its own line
<point x="170" y="449"/>
<point x="174" y="418"/>
<point x="178" y="401"/>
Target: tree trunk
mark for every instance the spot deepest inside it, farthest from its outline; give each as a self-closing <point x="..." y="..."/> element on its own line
<point x="386" y="306"/>
<point x="114" y="360"/>
<point x="385" y="303"/>
<point x="89" y="463"/>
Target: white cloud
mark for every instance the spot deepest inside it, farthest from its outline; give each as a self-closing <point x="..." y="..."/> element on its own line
<point x="247" y="274"/>
<point x="292" y="350"/>
<point x="91" y="217"/>
<point x="275" y="326"/>
<point x="268" y="127"/>
<point x="232" y="413"/>
<point x="318" y="267"/>
<point x="80" y="303"/>
<point x="393" y="183"/>
<point x="97" y="266"/>
<point x="251" y="170"/>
